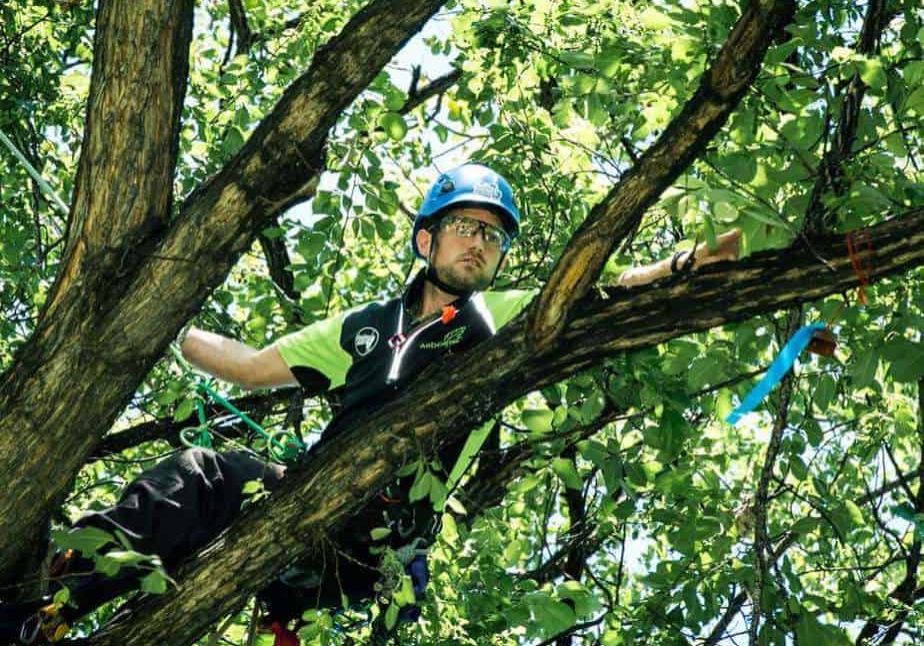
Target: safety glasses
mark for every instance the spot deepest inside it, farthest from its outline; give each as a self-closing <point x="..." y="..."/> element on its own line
<point x="494" y="237"/>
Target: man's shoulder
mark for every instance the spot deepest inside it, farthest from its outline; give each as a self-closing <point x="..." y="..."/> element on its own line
<point x="505" y="304"/>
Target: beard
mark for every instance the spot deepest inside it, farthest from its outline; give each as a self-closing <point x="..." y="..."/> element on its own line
<point x="466" y="281"/>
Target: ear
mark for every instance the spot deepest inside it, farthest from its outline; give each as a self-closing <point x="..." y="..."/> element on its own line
<point x="424" y="238"/>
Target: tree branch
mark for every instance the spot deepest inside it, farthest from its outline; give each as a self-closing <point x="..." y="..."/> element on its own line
<point x="97" y="342"/>
<point x="762" y="545"/>
<point x="163" y="429"/>
<point x="831" y="167"/>
<point x="620" y="213"/>
<point x="340" y="475"/>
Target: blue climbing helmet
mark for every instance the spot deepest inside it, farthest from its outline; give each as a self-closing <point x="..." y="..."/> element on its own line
<point x="468" y="184"/>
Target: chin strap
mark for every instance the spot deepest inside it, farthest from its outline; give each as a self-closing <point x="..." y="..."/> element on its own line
<point x="433" y="278"/>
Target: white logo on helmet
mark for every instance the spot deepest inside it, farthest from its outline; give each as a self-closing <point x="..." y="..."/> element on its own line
<point x="365" y="340"/>
<point x="487" y="189"/>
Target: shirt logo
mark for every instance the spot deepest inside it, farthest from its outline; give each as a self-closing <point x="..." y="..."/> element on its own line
<point x="452" y="338"/>
<point x="366" y="340"/>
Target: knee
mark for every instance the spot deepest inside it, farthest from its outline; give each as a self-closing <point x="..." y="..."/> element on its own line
<point x="197" y="454"/>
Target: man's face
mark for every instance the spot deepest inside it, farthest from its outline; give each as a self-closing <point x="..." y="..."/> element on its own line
<point x="465" y="263"/>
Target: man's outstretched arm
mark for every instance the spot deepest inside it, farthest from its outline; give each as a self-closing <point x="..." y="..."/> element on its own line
<point x="727" y="248"/>
<point x="236" y="362"/>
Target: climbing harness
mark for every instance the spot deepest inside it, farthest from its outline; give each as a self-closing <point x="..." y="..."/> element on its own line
<point x="817" y="338"/>
<point x="282" y="445"/>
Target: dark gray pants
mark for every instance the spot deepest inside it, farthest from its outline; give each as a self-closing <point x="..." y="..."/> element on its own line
<point x="171" y="510"/>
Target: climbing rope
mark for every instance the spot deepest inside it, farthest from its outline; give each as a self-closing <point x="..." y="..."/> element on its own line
<point x="282" y="445"/>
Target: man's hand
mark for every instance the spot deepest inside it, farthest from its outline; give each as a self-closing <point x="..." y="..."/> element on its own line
<point x="728" y="246"/>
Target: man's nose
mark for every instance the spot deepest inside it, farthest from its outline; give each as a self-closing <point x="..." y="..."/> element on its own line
<point x="477" y="241"/>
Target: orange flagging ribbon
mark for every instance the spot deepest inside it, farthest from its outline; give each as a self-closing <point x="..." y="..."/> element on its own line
<point x="860" y="258"/>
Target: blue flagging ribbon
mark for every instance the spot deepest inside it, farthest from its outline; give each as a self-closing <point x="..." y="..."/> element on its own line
<point x="778" y="369"/>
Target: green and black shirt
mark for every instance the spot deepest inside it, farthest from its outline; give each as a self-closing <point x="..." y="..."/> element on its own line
<point x="374" y="350"/>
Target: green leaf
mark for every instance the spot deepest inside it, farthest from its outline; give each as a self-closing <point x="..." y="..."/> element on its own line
<point x="538" y="420"/>
<point x="825" y="390"/>
<point x="438" y="492"/>
<point x="554" y="616"/>
<point x="154" y="583"/>
<point x="804" y="526"/>
<point x="86" y="539"/>
<point x="566" y="470"/>
<point x="106" y="565"/>
<point x="394" y="125"/>
<point x="404" y="596"/>
<point x="863" y="368"/>
<point x="449" y="530"/>
<point x="391" y="616"/>
<point x="62" y="596"/>
<point x="233" y="141"/>
<point x="378" y="533"/>
<point x="906" y="359"/>
<point x="456" y="506"/>
<point x="184" y="410"/>
<point x="810" y="631"/>
<point x="847" y="517"/>
<point x="872" y="73"/>
<point x="421" y="487"/>
<point x="274" y="232"/>
<point x="252" y="486"/>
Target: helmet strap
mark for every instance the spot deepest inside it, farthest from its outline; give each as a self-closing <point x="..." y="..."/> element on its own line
<point x="497" y="269"/>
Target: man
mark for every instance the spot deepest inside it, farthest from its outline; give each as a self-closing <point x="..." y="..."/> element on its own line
<point x="463" y="232"/>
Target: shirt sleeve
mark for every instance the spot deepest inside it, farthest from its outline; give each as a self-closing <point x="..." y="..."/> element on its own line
<point x="317" y="346"/>
<point x="505" y="305"/>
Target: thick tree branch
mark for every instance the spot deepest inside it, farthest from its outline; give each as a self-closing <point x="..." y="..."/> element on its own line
<point x="122" y="198"/>
<point x="720" y="90"/>
<point x="100" y="339"/>
<point x="124" y="185"/>
<point x="453" y="395"/>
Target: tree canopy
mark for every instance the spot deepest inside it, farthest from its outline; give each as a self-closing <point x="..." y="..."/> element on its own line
<point x="254" y="166"/>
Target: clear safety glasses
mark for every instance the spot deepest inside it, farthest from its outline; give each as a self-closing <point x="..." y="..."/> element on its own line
<point x="464" y="227"/>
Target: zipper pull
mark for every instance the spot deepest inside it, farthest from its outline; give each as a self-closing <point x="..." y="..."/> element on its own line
<point x="449" y="313"/>
<point x="395" y="341"/>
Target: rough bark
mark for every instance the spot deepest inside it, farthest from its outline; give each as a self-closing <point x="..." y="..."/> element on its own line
<point x="454" y="395"/>
<point x="122" y="199"/>
<point x="103" y="333"/>
<point x="620" y="213"/>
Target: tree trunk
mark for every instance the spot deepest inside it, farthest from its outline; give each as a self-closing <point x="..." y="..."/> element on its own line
<point x="115" y="310"/>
